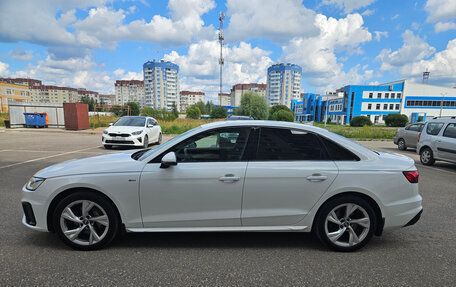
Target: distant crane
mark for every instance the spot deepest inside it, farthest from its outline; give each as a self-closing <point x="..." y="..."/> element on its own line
<point x="221" y="38"/>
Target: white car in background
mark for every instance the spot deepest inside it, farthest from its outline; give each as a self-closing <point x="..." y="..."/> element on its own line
<point x="229" y="176"/>
<point x="132" y="131"/>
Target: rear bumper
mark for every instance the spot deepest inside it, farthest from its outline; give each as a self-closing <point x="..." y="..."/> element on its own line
<point x="415" y="219"/>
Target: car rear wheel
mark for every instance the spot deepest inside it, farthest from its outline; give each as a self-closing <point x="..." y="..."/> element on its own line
<point x="401" y="144"/>
<point x="426" y="156"/>
<point x="346" y="223"/>
<point x="85" y="221"/>
<point x="159" y="141"/>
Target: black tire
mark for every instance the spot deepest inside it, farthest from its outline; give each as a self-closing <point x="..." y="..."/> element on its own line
<point x="146" y="142"/>
<point x="427" y="156"/>
<point x="107" y="146"/>
<point x="339" y="202"/>
<point x="401" y="144"/>
<point x="113" y="220"/>
<point x="159" y="141"/>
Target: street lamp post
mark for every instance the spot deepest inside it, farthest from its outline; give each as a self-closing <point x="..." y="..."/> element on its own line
<point x="441" y="103"/>
<point x="327" y="105"/>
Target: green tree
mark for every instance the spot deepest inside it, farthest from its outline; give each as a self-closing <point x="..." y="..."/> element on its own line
<point x="202" y="107"/>
<point x="254" y="105"/>
<point x="396" y="120"/>
<point x="134" y="108"/>
<point x="193" y="113"/>
<point x="283" y="115"/>
<point x="219" y="113"/>
<point x="175" y="111"/>
<point x="276" y="108"/>
<point x="360" y="121"/>
<point x="89" y="101"/>
<point x="209" y="107"/>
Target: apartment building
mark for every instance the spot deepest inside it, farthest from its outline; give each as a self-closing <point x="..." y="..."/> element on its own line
<point x="238" y="90"/>
<point x="53" y="94"/>
<point x="188" y="98"/>
<point x="129" y="91"/>
<point x="284" y="84"/>
<point x="161" y="85"/>
<point x="12" y="92"/>
<point x="224" y="99"/>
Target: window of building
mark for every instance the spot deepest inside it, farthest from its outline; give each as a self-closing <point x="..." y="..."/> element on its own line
<point x="387" y="95"/>
<point x="385" y="106"/>
<point x="399" y="95"/>
<point x="377" y="107"/>
<point x="379" y="95"/>
<point x="397" y="106"/>
<point x="371" y="95"/>
<point x="286" y="144"/>
<point x="369" y="106"/>
<point x="393" y="95"/>
<point x="391" y="106"/>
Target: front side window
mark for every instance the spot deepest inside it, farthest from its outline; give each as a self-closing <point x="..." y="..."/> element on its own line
<point x="450" y="131"/>
<point x="434" y="128"/>
<point x="222" y="145"/>
<point x="277" y="144"/>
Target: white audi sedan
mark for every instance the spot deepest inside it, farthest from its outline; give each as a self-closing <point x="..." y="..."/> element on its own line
<point x="229" y="176"/>
<point x="132" y="131"/>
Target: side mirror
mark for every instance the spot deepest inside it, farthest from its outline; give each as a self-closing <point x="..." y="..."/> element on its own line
<point x="150" y="126"/>
<point x="168" y="160"/>
<point x="110" y="124"/>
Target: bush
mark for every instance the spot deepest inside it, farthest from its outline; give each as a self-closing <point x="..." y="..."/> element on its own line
<point x="283" y="115"/>
<point x="219" y="113"/>
<point x="396" y="120"/>
<point x="360" y="121"/>
<point x="193" y="113"/>
<point x="277" y="108"/>
<point x="162" y="114"/>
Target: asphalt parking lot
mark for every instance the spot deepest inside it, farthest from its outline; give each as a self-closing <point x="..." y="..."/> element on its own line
<point x="421" y="255"/>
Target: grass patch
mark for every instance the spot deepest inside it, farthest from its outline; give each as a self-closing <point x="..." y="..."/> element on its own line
<point x="366" y="132"/>
<point x="104" y="121"/>
<point x="3" y="117"/>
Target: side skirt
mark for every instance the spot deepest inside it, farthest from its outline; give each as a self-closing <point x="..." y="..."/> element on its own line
<point x="221" y="229"/>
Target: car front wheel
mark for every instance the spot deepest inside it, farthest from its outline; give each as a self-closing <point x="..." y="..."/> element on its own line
<point x="426" y="156"/>
<point x="346" y="223"/>
<point x="85" y="221"/>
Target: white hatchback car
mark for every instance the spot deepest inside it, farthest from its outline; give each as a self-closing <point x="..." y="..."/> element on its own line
<point x="132" y="131"/>
<point x="229" y="176"/>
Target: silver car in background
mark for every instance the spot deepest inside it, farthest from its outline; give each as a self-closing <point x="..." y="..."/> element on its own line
<point x="407" y="137"/>
<point x="437" y="141"/>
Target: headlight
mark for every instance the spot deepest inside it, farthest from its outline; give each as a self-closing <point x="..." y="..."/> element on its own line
<point x="105" y="132"/>
<point x="136" y="133"/>
<point x="34" y="183"/>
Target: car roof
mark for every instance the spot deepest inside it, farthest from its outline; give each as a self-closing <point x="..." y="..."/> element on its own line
<point x="443" y="119"/>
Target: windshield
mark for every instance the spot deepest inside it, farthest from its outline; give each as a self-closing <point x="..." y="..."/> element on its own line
<point x="167" y="144"/>
<point x="130" y="122"/>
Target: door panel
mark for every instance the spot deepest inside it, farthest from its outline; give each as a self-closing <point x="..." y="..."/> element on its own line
<point x="199" y="194"/>
<point x="283" y="192"/>
<point x="446" y="144"/>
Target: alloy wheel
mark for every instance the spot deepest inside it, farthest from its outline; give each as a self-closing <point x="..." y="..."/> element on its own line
<point x="347" y="225"/>
<point x="425" y="156"/>
<point x="84" y="222"/>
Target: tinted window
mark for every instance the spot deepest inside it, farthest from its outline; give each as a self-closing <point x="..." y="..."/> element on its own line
<point x="450" y="131"/>
<point x="215" y="145"/>
<point x="415" y="128"/>
<point x="434" y="128"/>
<point x="130" y="121"/>
<point x="337" y="152"/>
<point x="286" y="144"/>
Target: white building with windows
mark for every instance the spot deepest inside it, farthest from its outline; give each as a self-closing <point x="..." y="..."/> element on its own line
<point x="188" y="98"/>
<point x="129" y="91"/>
<point x="284" y="84"/>
<point x="161" y="85"/>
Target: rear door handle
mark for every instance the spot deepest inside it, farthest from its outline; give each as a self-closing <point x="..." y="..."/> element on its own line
<point x="316" y="177"/>
<point x="228" y="178"/>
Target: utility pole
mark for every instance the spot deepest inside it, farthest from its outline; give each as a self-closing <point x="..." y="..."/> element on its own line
<point x="221" y="38"/>
<point x="441" y="103"/>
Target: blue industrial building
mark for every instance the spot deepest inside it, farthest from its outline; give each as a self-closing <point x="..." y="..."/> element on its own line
<point x="377" y="101"/>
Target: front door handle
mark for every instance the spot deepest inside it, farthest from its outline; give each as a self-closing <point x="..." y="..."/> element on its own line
<point x="316" y="177"/>
<point x="228" y="178"/>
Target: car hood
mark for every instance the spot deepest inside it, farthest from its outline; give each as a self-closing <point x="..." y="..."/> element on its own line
<point x="124" y="129"/>
<point x="395" y="160"/>
<point x="105" y="163"/>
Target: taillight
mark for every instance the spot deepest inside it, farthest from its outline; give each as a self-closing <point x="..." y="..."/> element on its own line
<point x="411" y="176"/>
<point x="396" y="131"/>
<point x="419" y="135"/>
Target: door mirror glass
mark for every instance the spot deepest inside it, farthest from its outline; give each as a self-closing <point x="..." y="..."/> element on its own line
<point x="110" y="124"/>
<point x="168" y="160"/>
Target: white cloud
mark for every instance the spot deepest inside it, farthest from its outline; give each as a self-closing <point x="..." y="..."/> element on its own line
<point x="395" y="17"/>
<point x="4" y="69"/>
<point x="379" y="35"/>
<point x="19" y="53"/>
<point x="317" y="55"/>
<point x="413" y="49"/>
<point x="199" y="68"/>
<point x="276" y="20"/>
<point x="368" y="12"/>
<point x="444" y="26"/>
<point x="348" y="5"/>
<point x="440" y="10"/>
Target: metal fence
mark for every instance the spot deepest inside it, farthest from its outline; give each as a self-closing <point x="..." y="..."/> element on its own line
<point x="17" y="109"/>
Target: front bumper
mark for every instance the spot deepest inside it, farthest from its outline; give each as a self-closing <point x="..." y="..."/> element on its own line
<point x="34" y="210"/>
<point x="122" y="141"/>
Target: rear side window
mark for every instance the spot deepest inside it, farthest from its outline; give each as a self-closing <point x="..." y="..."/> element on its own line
<point x="337" y="152"/>
<point x="277" y="144"/>
<point x="450" y="131"/>
<point x="434" y="128"/>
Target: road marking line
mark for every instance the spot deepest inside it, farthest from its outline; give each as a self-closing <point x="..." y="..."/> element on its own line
<point x="43" y="151"/>
<point x="45" y="157"/>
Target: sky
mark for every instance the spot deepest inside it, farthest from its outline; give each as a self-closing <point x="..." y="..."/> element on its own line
<point x="92" y="43"/>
